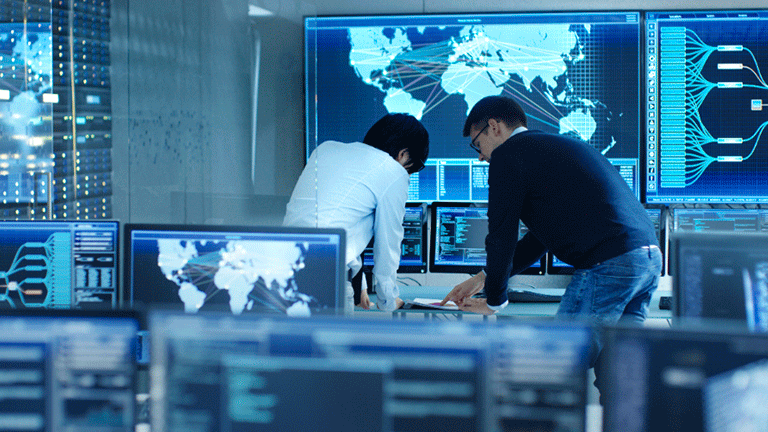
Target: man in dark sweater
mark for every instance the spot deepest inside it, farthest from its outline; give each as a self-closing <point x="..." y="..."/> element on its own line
<point x="575" y="204"/>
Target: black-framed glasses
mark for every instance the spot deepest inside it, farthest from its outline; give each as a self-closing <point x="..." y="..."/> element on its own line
<point x="472" y="143"/>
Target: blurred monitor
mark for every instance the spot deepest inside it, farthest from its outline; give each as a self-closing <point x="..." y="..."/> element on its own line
<point x="721" y="276"/>
<point x="291" y="271"/>
<point x="413" y="250"/>
<point x="457" y="239"/>
<point x="59" y="264"/>
<point x="317" y="374"/>
<point x="539" y="376"/>
<point x="658" y="217"/>
<point x="67" y="373"/>
<point x="699" y="378"/>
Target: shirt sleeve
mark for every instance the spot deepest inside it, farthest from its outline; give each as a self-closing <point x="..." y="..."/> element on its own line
<point x="388" y="234"/>
<point x="506" y="191"/>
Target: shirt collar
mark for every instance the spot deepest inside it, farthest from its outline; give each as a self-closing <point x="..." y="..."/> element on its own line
<point x="518" y="130"/>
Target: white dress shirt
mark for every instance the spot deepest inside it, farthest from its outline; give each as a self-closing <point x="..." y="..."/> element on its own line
<point x="344" y="186"/>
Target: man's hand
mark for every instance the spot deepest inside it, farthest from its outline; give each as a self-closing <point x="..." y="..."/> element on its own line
<point x="365" y="302"/>
<point x="476" y="305"/>
<point x="399" y="303"/>
<point x="465" y="290"/>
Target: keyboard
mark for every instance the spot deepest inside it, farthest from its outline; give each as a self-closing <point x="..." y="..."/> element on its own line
<point x="518" y="296"/>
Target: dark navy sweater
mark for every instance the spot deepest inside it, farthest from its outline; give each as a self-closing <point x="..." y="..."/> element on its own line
<point x="573" y="201"/>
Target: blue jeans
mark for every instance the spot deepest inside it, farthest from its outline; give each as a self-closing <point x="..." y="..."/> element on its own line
<point x="618" y="289"/>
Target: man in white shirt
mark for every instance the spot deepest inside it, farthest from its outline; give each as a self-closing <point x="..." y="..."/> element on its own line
<point x="363" y="187"/>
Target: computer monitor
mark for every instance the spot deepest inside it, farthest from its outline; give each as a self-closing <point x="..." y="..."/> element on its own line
<point x="735" y="220"/>
<point x="658" y="217"/>
<point x="698" y="63"/>
<point x="413" y="250"/>
<point x="59" y="264"/>
<point x="721" y="276"/>
<point x="574" y="73"/>
<point x="293" y="271"/>
<point x="662" y="379"/>
<point x="66" y="372"/>
<point x="314" y="374"/>
<point x="457" y="239"/>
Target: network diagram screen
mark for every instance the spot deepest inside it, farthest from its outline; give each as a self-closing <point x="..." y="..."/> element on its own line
<point x="573" y="73"/>
<point x="291" y="271"/>
<point x="706" y="107"/>
<point x="59" y="265"/>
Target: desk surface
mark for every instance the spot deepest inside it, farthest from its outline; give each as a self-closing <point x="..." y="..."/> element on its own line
<point x="541" y="310"/>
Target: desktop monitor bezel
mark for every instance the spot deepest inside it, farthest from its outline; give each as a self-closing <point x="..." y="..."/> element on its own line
<point x="129" y="228"/>
<point x="470" y="269"/>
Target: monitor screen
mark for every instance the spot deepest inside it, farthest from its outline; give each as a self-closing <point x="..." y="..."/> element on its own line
<point x="573" y="73"/>
<point x="705" y="107"/>
<point x="736" y="220"/>
<point x="312" y="374"/>
<point x="413" y="250"/>
<point x="67" y="373"/>
<point x="721" y="276"/>
<point x="59" y="264"/>
<point x="658" y="217"/>
<point x="293" y="271"/>
<point x="666" y="380"/>
<point x="457" y="239"/>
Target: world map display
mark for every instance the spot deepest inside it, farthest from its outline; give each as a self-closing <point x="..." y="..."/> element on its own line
<point x="240" y="273"/>
<point x="576" y="78"/>
<point x="252" y="272"/>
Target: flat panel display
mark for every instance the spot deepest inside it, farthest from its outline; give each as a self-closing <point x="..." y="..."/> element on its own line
<point x="734" y="220"/>
<point x="59" y="264"/>
<point x="413" y="250"/>
<point x="293" y="271"/>
<point x="68" y="373"/>
<point x="457" y="239"/>
<point x="573" y="73"/>
<point x="705" y="105"/>
<point x="307" y="372"/>
<point x="698" y="379"/>
<point x="721" y="276"/>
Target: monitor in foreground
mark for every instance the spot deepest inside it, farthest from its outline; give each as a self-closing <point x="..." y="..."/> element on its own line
<point x="694" y="379"/>
<point x="67" y="373"/>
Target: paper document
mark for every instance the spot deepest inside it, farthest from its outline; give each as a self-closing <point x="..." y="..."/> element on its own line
<point x="432" y="304"/>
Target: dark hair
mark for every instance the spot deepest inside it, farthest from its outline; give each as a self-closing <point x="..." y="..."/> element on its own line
<point x="395" y="132"/>
<point x="495" y="107"/>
